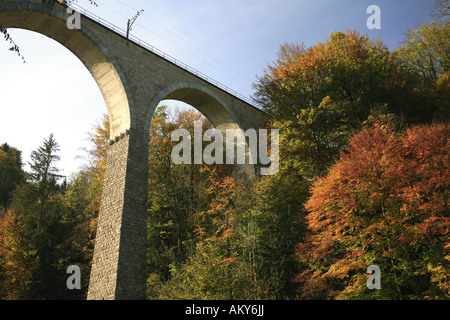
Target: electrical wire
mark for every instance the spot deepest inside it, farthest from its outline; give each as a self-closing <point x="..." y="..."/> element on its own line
<point x="144" y="15"/>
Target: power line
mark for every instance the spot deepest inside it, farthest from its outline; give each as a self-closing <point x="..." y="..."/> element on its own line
<point x="191" y="45"/>
<point x="193" y="55"/>
<point x="162" y="54"/>
<point x="172" y="43"/>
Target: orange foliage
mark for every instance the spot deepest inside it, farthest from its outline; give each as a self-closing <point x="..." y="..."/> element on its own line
<point x="100" y="139"/>
<point x="385" y="199"/>
<point x="15" y="273"/>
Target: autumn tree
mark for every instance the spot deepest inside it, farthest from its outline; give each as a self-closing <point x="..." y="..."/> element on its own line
<point x="426" y="55"/>
<point x="348" y="67"/>
<point x="202" y="228"/>
<point x="426" y="49"/>
<point x="319" y="97"/>
<point x="384" y="203"/>
<point x="96" y="155"/>
<point x="16" y="258"/>
<point x="224" y="263"/>
<point x="39" y="204"/>
<point x="208" y="272"/>
<point x="323" y="94"/>
<point x="11" y="173"/>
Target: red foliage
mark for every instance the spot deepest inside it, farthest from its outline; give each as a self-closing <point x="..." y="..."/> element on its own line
<point x="385" y="199"/>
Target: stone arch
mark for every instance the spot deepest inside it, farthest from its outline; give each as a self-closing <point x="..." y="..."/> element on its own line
<point x="202" y="98"/>
<point x="213" y="107"/>
<point x="50" y="21"/>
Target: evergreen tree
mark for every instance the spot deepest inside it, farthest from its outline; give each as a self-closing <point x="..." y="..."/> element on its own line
<point x="43" y="172"/>
<point x="39" y="205"/>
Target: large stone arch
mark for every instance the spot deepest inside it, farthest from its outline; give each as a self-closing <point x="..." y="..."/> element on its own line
<point x="51" y="22"/>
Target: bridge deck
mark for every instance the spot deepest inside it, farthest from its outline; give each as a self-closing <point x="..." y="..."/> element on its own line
<point x="161" y="54"/>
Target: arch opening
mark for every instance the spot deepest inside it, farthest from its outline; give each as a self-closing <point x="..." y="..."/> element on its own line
<point x="50" y="21"/>
<point x="200" y="98"/>
<point x="215" y="110"/>
<point x="51" y="93"/>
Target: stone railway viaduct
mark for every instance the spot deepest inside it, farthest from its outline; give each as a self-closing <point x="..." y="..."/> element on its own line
<point x="133" y="81"/>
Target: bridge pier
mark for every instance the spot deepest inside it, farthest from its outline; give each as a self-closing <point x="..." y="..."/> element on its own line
<point x="119" y="263"/>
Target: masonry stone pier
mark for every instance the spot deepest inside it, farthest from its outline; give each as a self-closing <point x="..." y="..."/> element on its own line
<point x="133" y="80"/>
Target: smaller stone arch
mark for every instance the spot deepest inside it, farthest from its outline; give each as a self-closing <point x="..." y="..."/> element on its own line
<point x="201" y="97"/>
<point x="213" y="107"/>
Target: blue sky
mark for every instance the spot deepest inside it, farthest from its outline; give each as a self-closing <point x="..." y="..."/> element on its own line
<point x="231" y="41"/>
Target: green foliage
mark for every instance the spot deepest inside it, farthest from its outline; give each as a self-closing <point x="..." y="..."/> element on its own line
<point x="16" y="258"/>
<point x="11" y="173"/>
<point x="278" y="217"/>
<point x="426" y="55"/>
<point x="173" y="194"/>
<point x="425" y="49"/>
<point x="207" y="275"/>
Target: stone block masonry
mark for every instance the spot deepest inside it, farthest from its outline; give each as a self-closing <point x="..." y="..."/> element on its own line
<point x="118" y="268"/>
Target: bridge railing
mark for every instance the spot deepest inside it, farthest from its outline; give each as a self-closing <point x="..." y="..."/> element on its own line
<point x="160" y="53"/>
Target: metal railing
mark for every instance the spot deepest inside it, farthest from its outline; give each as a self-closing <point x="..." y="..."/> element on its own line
<point x="160" y="53"/>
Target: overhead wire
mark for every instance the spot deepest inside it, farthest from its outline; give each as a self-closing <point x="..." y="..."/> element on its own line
<point x="144" y="15"/>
